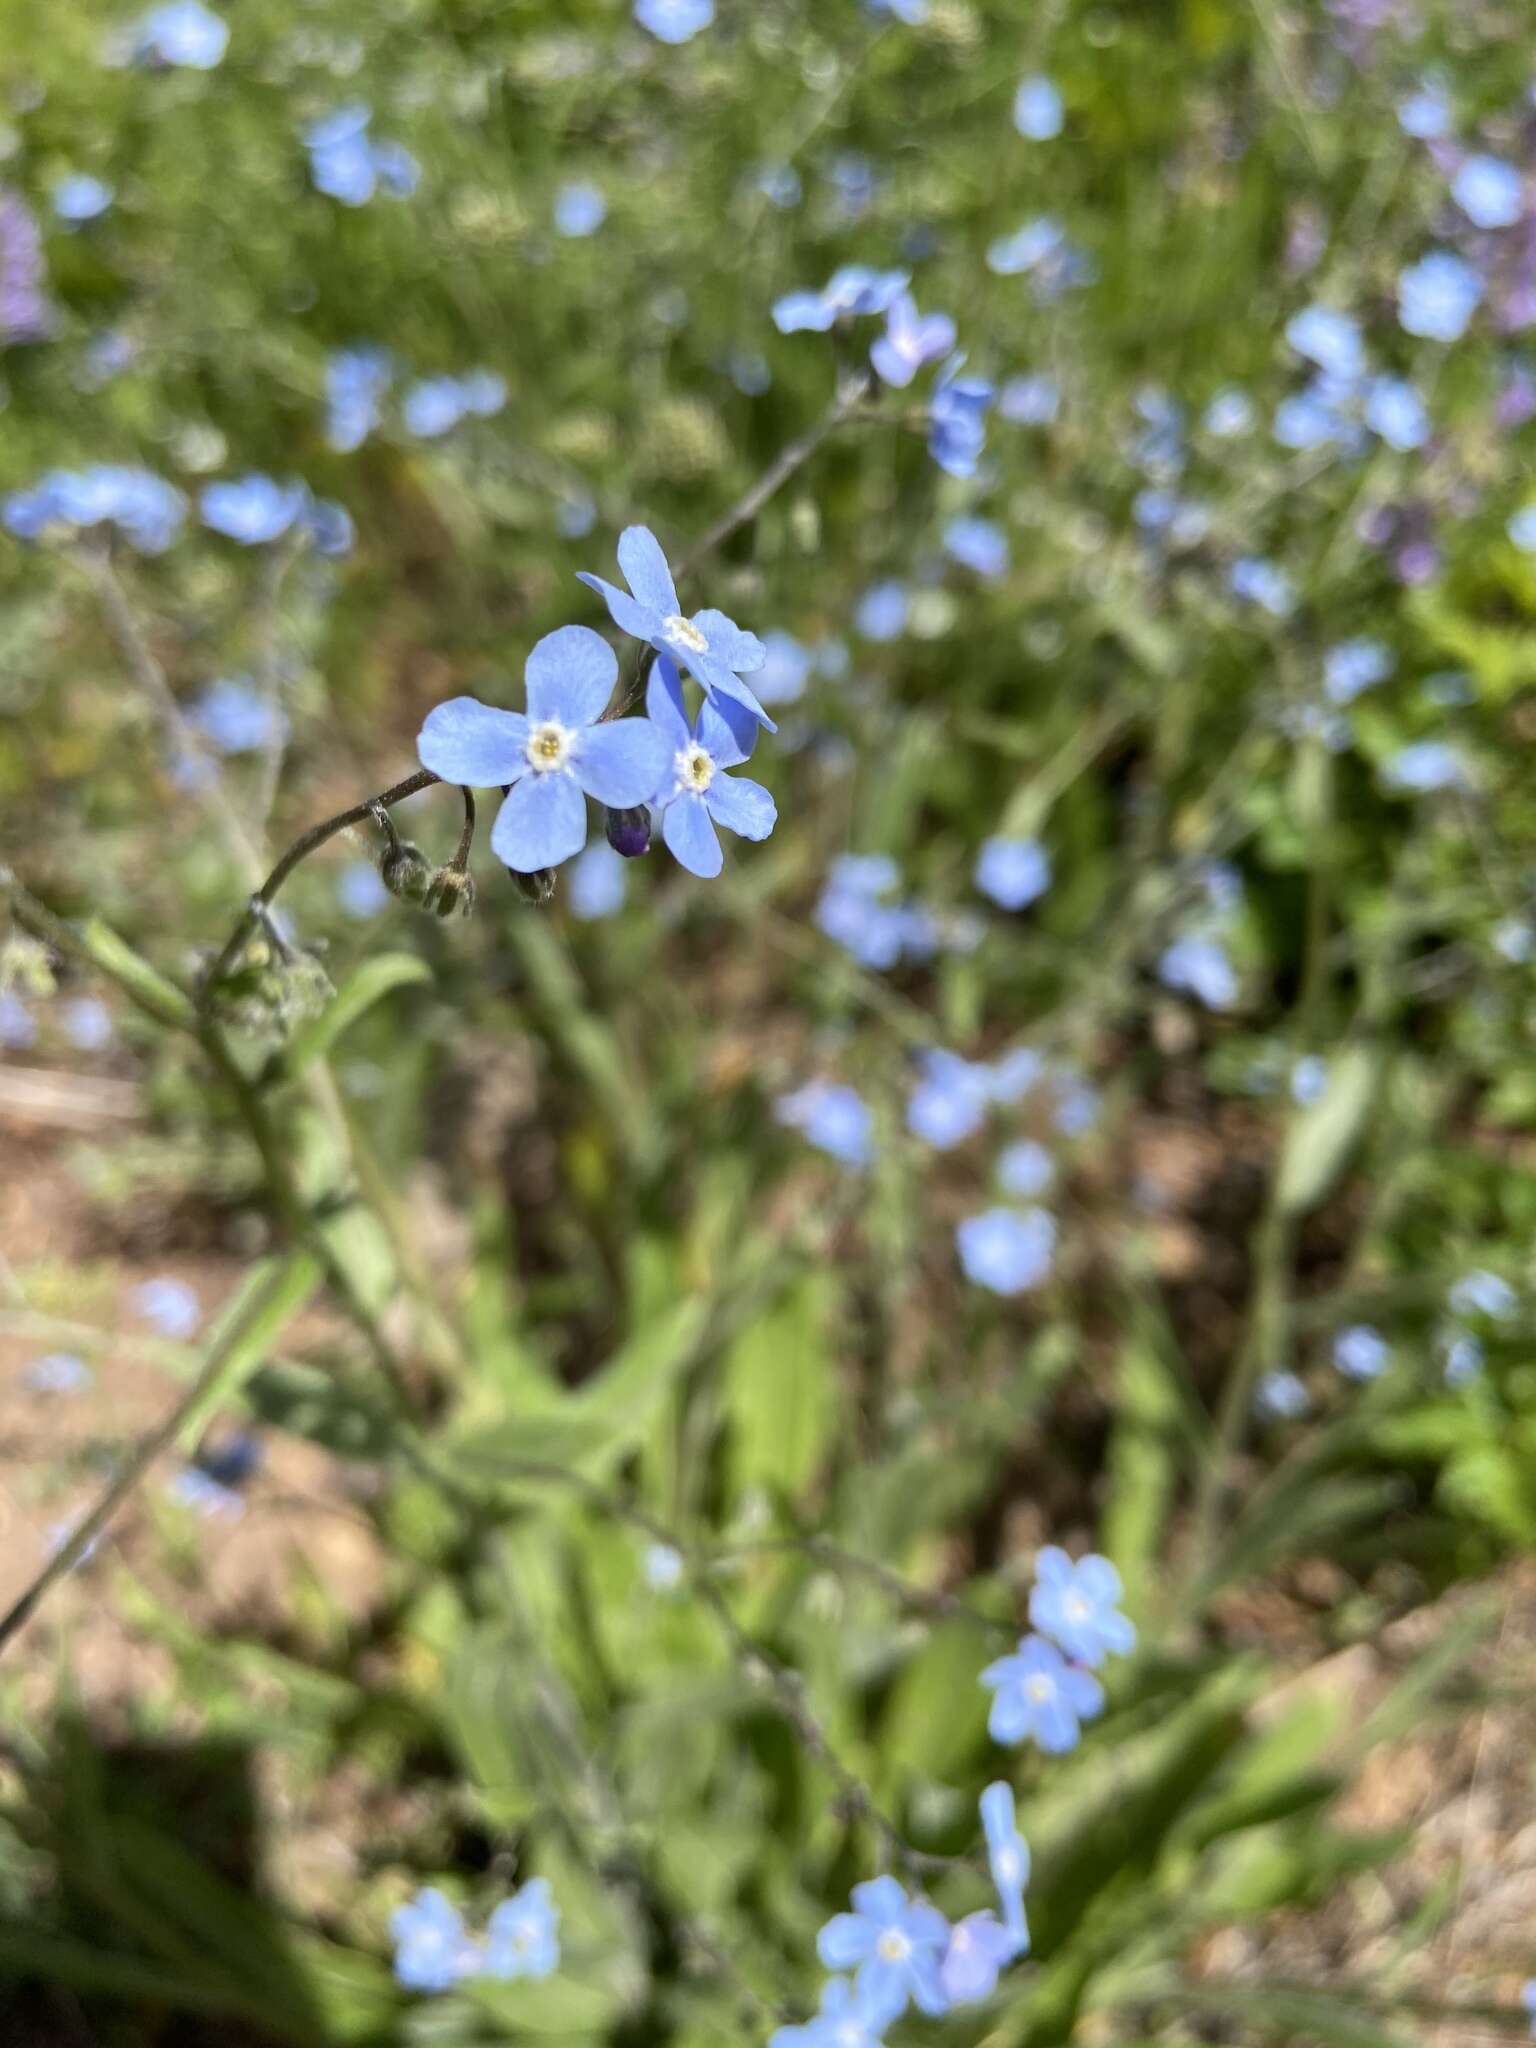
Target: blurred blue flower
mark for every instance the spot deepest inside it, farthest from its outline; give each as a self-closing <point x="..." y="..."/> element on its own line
<point x="854" y="292"/>
<point x="346" y="164"/>
<point x="146" y="510"/>
<point x="1515" y="940"/>
<point x="1006" y="1251"/>
<point x="876" y="933"/>
<point x="360" y="889"/>
<point x="1309" y="1080"/>
<point x="674" y="21"/>
<point x="1025" y="1169"/>
<point x="1528" y="2000"/>
<point x="749" y="372"/>
<point x="979" y="545"/>
<point x="713" y="648"/>
<point x="856" y="182"/>
<point x="911" y="341"/>
<point x="434" y="406"/>
<point x="433" y="1951"/>
<point x="522" y="1936"/>
<point x="1354" y="666"/>
<point x="59" y="1372"/>
<point x="913" y="12"/>
<point x="1007" y="1859"/>
<point x="833" y="1118"/>
<point x="1395" y="411"/>
<point x="1027" y="248"/>
<point x="237" y="718"/>
<point x="1038" y="1696"/>
<point x="1423" y="767"/>
<point x="329" y="527"/>
<point x="356" y="380"/>
<point x="25" y="314"/>
<point x="575" y="517"/>
<point x="170" y="1305"/>
<point x="663" y="1568"/>
<point x="198" y="1491"/>
<point x="1490" y="192"/>
<point x="882" y="612"/>
<point x="1437" y="296"/>
<point x="1521" y="529"/>
<point x="950" y="1100"/>
<point x="81" y="198"/>
<point x="598" y="884"/>
<point x="1229" y="414"/>
<point x="1077" y="1607"/>
<point x="1464" y="1357"/>
<point x="551" y="757"/>
<point x="786" y="667"/>
<point x="695" y="794"/>
<point x="1328" y="338"/>
<point x="1425" y="114"/>
<point x="848" y="2018"/>
<point x="87" y="1023"/>
<point x="580" y="208"/>
<point x="1038" y="113"/>
<point x="1264" y="584"/>
<point x="1482" y="1293"/>
<point x="1013" y="872"/>
<point x="184" y="33"/>
<point x="1197" y="965"/>
<point x="18" y="1027"/>
<point x="779" y="185"/>
<point x="1077" y="1106"/>
<point x="1361" y="1352"/>
<point x="957" y="431"/>
<point x="980" y="1948"/>
<point x="1030" y="401"/>
<point x="253" y="509"/>
<point x="1281" y="1397"/>
<point x="894" y="1944"/>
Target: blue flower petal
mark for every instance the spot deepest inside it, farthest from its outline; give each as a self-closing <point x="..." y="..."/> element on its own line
<point x="570" y="676"/>
<point x="880" y="1899"/>
<point x="726" y="731"/>
<point x="625" y="613"/>
<point x="844" y="1941"/>
<point x="927" y="1981"/>
<point x="741" y="806"/>
<point x="740" y="651"/>
<point x="690" y="833"/>
<point x="469" y="742"/>
<point x="664" y="704"/>
<point x="623" y="762"/>
<point x="646" y="571"/>
<point x="543" y="822"/>
<point x="725" y="685"/>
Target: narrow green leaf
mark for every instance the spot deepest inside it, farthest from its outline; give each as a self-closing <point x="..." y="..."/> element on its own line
<point x="1323" y="1136"/>
<point x="781" y="1392"/>
<point x="368" y="984"/>
<point x="296" y="1280"/>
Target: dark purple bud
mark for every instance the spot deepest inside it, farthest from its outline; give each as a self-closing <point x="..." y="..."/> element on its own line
<point x="629" y="832"/>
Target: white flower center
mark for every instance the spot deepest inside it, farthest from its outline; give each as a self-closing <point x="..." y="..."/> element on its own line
<point x="1040" y="1688"/>
<point x="695" y="770"/>
<point x="893" y="1946"/>
<point x="1075" y="1607"/>
<point x="851" y="2035"/>
<point x="682" y="634"/>
<point x="549" y="746"/>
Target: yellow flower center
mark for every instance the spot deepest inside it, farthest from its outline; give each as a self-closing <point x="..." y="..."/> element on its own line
<point x="1040" y="1688"/>
<point x="549" y="746"/>
<point x="695" y="769"/>
<point x="682" y="634"/>
<point x="893" y="1947"/>
<point x="1075" y="1607"/>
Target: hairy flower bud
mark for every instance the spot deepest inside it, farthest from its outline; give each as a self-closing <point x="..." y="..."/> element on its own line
<point x="406" y="871"/>
<point x="629" y="832"/>
<point x="536" y="888"/>
<point x="450" y="893"/>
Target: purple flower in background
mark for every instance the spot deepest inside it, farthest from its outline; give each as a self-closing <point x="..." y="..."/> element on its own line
<point x="1229" y="414"/>
<point x="1077" y="1607"/>
<point x="674" y="21"/>
<point x="913" y="12"/>
<point x="832" y="1117"/>
<point x="1490" y="192"/>
<point x="146" y="510"/>
<point x="551" y="757"/>
<point x="713" y="648"/>
<point x="1264" y="584"/>
<point x="1038" y="113"/>
<point x="957" y="431"/>
<point x="60" y="1372"/>
<point x="1521" y="528"/>
<point x="980" y="1949"/>
<point x="1481" y="1293"/>
<point x="346" y="164"/>
<point x="894" y="1945"/>
<point x="1437" y="296"/>
<point x="183" y="33"/>
<point x="25" y="314"/>
<point x="1007" y="1251"/>
<point x="433" y="1951"/>
<point x="1028" y="248"/>
<point x="1038" y="1696"/>
<point x="522" y="1936"/>
<point x="848" y="2018"/>
<point x="170" y="1305"/>
<point x="580" y="210"/>
<point x="1309" y="1080"/>
<point x="694" y="794"/>
<point x="911" y="341"/>
<point x="1007" y="1859"/>
<point x="204" y="1495"/>
<point x="1013" y="872"/>
<point x="87" y="1024"/>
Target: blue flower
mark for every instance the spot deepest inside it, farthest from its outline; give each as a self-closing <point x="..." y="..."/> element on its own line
<point x="850" y="910"/>
<point x="1007" y="1858"/>
<point x="253" y="509"/>
<point x="1328" y="338"/>
<point x="1463" y="1356"/>
<point x="1077" y="1106"/>
<point x="1521" y="529"/>
<point x="1481" y="1293"/>
<point x="1197" y="965"/>
<point x="710" y="646"/>
<point x="81" y="198"/>
<point x="1263" y="584"/>
<point x="1281" y="1397"/>
<point x="979" y="545"/>
<point x="205" y="1496"/>
<point x="87" y="1024"/>
<point x="183" y="33"/>
<point x="1425" y="114"/>
<point x="1437" y="296"/>
<point x="1013" y="872"/>
<point x="1025" y="1170"/>
<point x="957" y="431"/>
<point x="779" y="185"/>
<point x="356" y="380"/>
<point x="1038" y="1696"/>
<point x="1076" y="1606"/>
<point x="674" y="21"/>
<point x="848" y="2018"/>
<point x="695" y="793"/>
<point x="910" y="341"/>
<point x="18" y="1027"/>
<point x="580" y="209"/>
<point x="346" y="163"/>
<point x="913" y="12"/>
<point x="785" y="670"/>
<point x="1395" y="411"/>
<point x="1037" y="110"/>
<point x="980" y="1949"/>
<point x="60" y="1372"/>
<point x="833" y="1118"/>
<point x="852" y="293"/>
<point x="1309" y="1079"/>
<point x="1037" y="242"/>
<point x="146" y="510"/>
<point x="1030" y="401"/>
<point x="550" y="754"/>
<point x="237" y="718"/>
<point x="1229" y="414"/>
<point x="360" y="889"/>
<point x="1528" y="2000"/>
<point x="1424" y="767"/>
<point x="950" y="1101"/>
<point x="894" y="1944"/>
<point x="663" y="1567"/>
<point x="1006" y="1251"/>
<point x="522" y="1936"/>
<point x="1354" y="666"/>
<point x="599" y="882"/>
<point x="1490" y="192"/>
<point x="170" y="1305"/>
<point x="1360" y="1352"/>
<point x="882" y="612"/>
<point x="433" y="1952"/>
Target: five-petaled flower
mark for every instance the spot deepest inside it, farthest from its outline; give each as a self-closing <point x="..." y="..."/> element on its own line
<point x="551" y="757"/>
<point x="433" y="1950"/>
<point x="522" y="1936"/>
<point x="894" y="1944"/>
<point x="1037" y="1694"/>
<point x="848" y="2018"/>
<point x="1077" y="1606"/>
<point x="710" y="646"/>
<point x="910" y="340"/>
<point x="696" y="794"/>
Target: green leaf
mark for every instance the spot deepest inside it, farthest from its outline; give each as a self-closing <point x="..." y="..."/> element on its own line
<point x="936" y="1715"/>
<point x="781" y="1392"/>
<point x="1323" y="1136"/>
<point x="296" y="1280"/>
<point x="377" y="977"/>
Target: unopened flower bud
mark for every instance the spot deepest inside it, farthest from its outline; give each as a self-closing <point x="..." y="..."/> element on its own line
<point x="406" y="871"/>
<point x="451" y="893"/>
<point x="629" y="832"/>
<point x="535" y="888"/>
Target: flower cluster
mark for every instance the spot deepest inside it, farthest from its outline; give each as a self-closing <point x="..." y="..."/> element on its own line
<point x="1044" y="1691"/>
<point x="567" y="746"/>
<point x="435" y="1951"/>
<point x="347" y="164"/>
